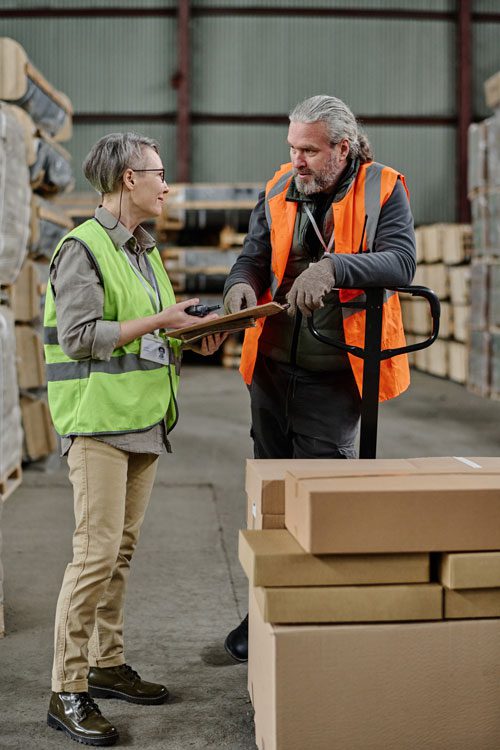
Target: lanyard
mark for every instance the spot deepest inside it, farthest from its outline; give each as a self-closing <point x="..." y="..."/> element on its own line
<point x="327" y="248"/>
<point x="155" y="300"/>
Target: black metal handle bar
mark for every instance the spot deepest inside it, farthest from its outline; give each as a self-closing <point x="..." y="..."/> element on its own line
<point x="372" y="354"/>
<point x="415" y="291"/>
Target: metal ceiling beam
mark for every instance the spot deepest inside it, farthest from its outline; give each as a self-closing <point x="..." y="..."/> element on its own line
<point x="464" y="104"/>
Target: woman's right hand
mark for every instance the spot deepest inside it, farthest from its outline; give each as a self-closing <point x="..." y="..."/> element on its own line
<point x="173" y="317"/>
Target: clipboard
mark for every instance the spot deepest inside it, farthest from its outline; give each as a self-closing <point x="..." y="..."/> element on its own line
<point x="226" y="323"/>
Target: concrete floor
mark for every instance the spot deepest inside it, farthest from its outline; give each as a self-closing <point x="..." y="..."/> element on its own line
<point x="186" y="589"/>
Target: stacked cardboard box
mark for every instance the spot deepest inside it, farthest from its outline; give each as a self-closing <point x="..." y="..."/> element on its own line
<point x="484" y="195"/>
<point x="356" y="639"/>
<point x="443" y="255"/>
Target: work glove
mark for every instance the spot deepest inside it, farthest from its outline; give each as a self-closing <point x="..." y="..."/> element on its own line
<point x="239" y="297"/>
<point x="310" y="287"/>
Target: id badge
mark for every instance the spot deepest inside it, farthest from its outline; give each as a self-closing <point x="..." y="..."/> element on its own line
<point x="154" y="349"/>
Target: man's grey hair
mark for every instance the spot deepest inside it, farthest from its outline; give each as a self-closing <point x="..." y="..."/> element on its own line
<point x="339" y="120"/>
<point x="108" y="159"/>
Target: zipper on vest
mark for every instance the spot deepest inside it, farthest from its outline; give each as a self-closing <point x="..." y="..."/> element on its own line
<point x="295" y="337"/>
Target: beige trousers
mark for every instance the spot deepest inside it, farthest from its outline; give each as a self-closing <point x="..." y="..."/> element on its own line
<point x="111" y="493"/>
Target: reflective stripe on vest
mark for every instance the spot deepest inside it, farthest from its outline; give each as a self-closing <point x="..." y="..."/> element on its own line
<point x="356" y="219"/>
<point x="126" y="393"/>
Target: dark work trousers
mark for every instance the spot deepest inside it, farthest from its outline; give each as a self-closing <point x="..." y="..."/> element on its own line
<point x="298" y="413"/>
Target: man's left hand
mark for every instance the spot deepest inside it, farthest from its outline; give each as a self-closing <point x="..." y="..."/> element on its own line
<point x="310" y="287"/>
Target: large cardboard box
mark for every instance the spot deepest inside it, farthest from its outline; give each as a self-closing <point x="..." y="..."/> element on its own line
<point x="470" y="570"/>
<point x="388" y="467"/>
<point x="275" y="558"/>
<point x="416" y="601"/>
<point x="470" y="603"/>
<point x="375" y="687"/>
<point x="413" y="513"/>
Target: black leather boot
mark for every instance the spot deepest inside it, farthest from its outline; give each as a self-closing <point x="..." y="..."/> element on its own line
<point x="124" y="683"/>
<point x="78" y="716"/>
<point x="236" y="643"/>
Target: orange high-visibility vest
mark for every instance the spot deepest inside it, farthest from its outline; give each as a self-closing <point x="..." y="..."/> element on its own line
<point x="355" y="220"/>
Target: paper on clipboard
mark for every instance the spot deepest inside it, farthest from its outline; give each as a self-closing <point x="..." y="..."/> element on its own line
<point x="226" y="323"/>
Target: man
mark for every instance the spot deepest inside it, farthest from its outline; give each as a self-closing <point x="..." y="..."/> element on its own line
<point x="330" y="222"/>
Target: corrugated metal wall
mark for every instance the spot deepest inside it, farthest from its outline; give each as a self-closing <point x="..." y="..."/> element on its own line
<point x="246" y="65"/>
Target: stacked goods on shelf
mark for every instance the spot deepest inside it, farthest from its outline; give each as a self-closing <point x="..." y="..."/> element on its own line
<point x="11" y="434"/>
<point x="42" y="118"/>
<point x="212" y="216"/>
<point x="484" y="195"/>
<point x="355" y="638"/>
<point x="443" y="265"/>
<point x="14" y="197"/>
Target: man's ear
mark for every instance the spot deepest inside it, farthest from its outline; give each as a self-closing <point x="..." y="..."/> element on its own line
<point x="344" y="148"/>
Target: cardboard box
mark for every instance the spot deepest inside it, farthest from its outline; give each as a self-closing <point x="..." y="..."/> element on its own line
<point x="470" y="603"/>
<point x="376" y="467"/>
<point x="39" y="435"/>
<point x="470" y="570"/>
<point x="275" y="558"/>
<point x="417" y="601"/>
<point x="378" y="687"/>
<point x="415" y="513"/>
<point x="29" y="356"/>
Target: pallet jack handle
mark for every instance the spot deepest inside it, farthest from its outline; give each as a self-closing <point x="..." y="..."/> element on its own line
<point x="372" y="354"/>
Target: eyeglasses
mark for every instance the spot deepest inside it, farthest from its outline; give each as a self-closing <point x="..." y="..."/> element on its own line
<point x="160" y="172"/>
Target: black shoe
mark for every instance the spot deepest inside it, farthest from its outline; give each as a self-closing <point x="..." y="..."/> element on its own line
<point x="236" y="643"/>
<point x="124" y="683"/>
<point x="78" y="716"/>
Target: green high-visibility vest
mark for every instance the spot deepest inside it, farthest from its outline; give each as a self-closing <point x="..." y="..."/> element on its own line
<point x="126" y="394"/>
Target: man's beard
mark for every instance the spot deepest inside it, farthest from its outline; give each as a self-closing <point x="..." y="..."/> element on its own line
<point x="321" y="180"/>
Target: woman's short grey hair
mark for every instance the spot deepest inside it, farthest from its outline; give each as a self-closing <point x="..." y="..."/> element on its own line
<point x="340" y="122"/>
<point x="108" y="159"/>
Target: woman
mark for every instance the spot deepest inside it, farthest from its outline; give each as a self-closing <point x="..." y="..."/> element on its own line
<point x="112" y="378"/>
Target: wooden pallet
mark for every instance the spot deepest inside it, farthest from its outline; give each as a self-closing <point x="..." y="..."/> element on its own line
<point x="10" y="482"/>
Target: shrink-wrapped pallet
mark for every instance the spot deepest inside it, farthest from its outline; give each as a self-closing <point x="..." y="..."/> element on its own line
<point x="49" y="163"/>
<point x="52" y="171"/>
<point x="11" y="435"/>
<point x="15" y="196"/>
<point x="22" y="84"/>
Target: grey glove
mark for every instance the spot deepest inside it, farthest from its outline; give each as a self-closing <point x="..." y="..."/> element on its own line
<point x="310" y="287"/>
<point x="239" y="297"/>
